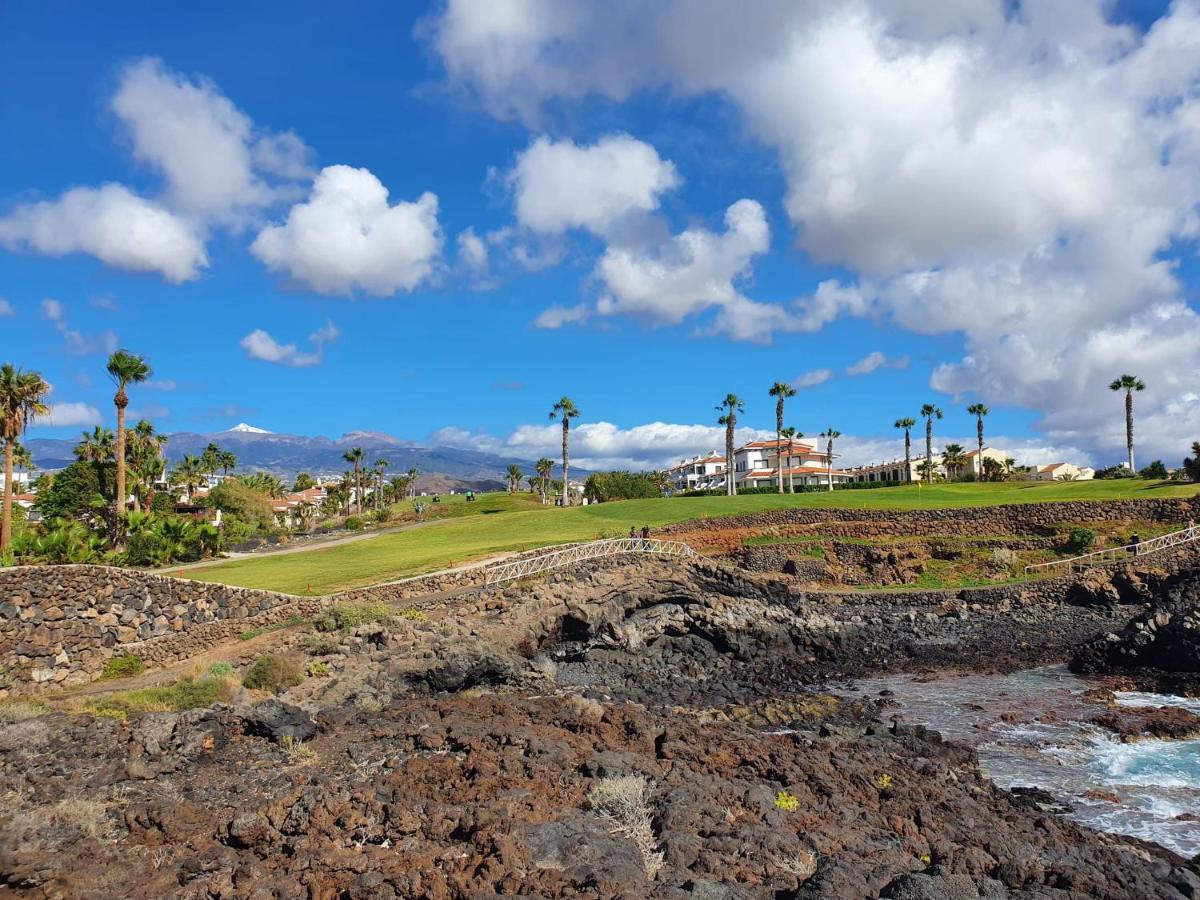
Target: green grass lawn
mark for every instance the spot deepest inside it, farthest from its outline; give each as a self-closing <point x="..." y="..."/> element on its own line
<point x="507" y="523"/>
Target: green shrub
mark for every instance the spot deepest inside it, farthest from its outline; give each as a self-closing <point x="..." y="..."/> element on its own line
<point x="221" y="670"/>
<point x="354" y="523"/>
<point x="322" y="644"/>
<point x="124" y="666"/>
<point x="272" y="672"/>
<point x="1156" y="470"/>
<point x="316" y="669"/>
<point x="344" y="616"/>
<point x="1081" y="540"/>
<point x="183" y="694"/>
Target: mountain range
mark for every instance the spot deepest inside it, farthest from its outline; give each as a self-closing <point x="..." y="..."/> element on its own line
<point x="285" y="455"/>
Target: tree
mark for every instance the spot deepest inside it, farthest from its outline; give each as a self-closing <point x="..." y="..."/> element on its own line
<point x="144" y="456"/>
<point x="906" y="425"/>
<point x="780" y="390"/>
<point x="124" y="368"/>
<point x="23" y="459"/>
<point x="929" y="412"/>
<point x="303" y="482"/>
<point x="514" y="478"/>
<point x="264" y="483"/>
<point x="76" y="491"/>
<point x="211" y="459"/>
<point x="98" y="445"/>
<point x="729" y="408"/>
<point x="1128" y="384"/>
<point x="1156" y="470"/>
<point x="791" y="433"/>
<point x="953" y="458"/>
<point x="355" y="457"/>
<point x="994" y="470"/>
<point x="412" y="481"/>
<point x="544" y="467"/>
<point x="189" y="475"/>
<point x="978" y="410"/>
<point x="22" y="396"/>
<point x="566" y="410"/>
<point x="228" y="461"/>
<point x="830" y="434"/>
<point x="381" y="465"/>
<point x="1191" y="465"/>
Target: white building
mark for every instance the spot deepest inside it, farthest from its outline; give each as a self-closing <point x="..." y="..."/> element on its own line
<point x="699" y="473"/>
<point x="756" y="464"/>
<point x="1064" y="471"/>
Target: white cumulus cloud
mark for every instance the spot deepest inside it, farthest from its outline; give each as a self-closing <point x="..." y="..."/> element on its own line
<point x="77" y="342"/>
<point x="259" y="344"/>
<point x="346" y="236"/>
<point x="6" y="308"/>
<point x="63" y="415"/>
<point x="875" y="360"/>
<point x="812" y="378"/>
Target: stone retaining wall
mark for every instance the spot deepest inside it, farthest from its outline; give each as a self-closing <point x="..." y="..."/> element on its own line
<point x="1014" y="519"/>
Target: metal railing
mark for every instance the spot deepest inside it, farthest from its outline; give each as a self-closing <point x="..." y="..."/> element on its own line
<point x="1127" y="551"/>
<point x="577" y="553"/>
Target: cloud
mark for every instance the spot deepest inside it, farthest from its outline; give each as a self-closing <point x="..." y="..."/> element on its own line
<point x="694" y="271"/>
<point x="812" y="378"/>
<point x="1012" y="173"/>
<point x="214" y="160"/>
<point x="875" y="360"/>
<point x="77" y="343"/>
<point x="112" y="224"/>
<point x="472" y="251"/>
<point x="346" y="236"/>
<point x="6" y="309"/>
<point x="259" y="344"/>
<point x="160" y="384"/>
<point x="557" y="316"/>
<point x="149" y="411"/>
<point x="106" y="302"/>
<point x="560" y="185"/>
<point x="63" y="415"/>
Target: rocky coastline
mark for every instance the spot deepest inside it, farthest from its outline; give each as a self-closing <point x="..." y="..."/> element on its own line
<point x="474" y="748"/>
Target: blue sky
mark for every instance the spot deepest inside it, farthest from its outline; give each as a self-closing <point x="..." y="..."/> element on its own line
<point x="448" y="100"/>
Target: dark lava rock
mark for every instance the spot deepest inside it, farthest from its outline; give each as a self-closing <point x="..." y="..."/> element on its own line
<point x="276" y="720"/>
<point x="586" y="851"/>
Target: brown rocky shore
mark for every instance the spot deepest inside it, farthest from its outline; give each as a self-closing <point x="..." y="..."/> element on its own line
<point x="639" y="730"/>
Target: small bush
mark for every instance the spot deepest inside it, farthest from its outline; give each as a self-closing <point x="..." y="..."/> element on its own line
<point x="786" y="801"/>
<point x="883" y="782"/>
<point x="316" y="669"/>
<point x="124" y="666"/>
<point x="621" y="801"/>
<point x="187" y="693"/>
<point x="251" y="633"/>
<point x="354" y="523"/>
<point x="1003" y="559"/>
<point x="19" y="710"/>
<point x="221" y="670"/>
<point x="322" y="644"/>
<point x="368" y="704"/>
<point x="297" y="751"/>
<point x="1081" y="540"/>
<point x="412" y="614"/>
<point x="272" y="672"/>
<point x="344" y="616"/>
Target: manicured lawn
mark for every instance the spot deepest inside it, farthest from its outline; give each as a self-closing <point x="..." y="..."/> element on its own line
<point x="501" y="525"/>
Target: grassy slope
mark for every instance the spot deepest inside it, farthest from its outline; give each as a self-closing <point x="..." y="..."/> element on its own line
<point x="508" y="524"/>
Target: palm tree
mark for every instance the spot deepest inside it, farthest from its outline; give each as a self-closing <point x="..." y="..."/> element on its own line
<point x="953" y="458"/>
<point x="544" y="468"/>
<point x="124" y="368"/>
<point x="355" y="457"/>
<point x="780" y="390"/>
<point x="906" y="425"/>
<point x="23" y="459"/>
<point x="729" y="408"/>
<point x="144" y="456"/>
<point x="791" y="434"/>
<point x="263" y="483"/>
<point x="98" y="445"/>
<point x="978" y="410"/>
<point x="381" y="465"/>
<point x="1128" y="384"/>
<point x="228" y="461"/>
<point x="22" y="396"/>
<point x="188" y="474"/>
<point x="412" y="481"/>
<point x="929" y="412"/>
<point x="566" y="410"/>
<point x="514" y="478"/>
<point x="211" y="459"/>
<point x="830" y="434"/>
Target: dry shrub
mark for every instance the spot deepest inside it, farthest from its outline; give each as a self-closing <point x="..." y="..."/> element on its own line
<point x="586" y="708"/>
<point x="622" y="803"/>
<point x="273" y="672"/>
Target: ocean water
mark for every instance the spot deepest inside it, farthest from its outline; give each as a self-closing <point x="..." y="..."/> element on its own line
<point x="1029" y="731"/>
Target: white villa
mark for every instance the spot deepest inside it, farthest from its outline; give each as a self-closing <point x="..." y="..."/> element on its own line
<point x="1064" y="471"/>
<point x="699" y="473"/>
<point x="893" y="470"/>
<point x="756" y="465"/>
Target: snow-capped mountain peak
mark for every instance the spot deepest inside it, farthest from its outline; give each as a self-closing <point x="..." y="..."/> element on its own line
<point x="243" y="428"/>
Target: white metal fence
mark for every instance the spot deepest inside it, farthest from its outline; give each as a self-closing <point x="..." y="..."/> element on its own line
<point x="577" y="553"/>
<point x="1128" y="551"/>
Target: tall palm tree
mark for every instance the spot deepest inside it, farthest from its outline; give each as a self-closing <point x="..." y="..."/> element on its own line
<point x="929" y="412"/>
<point x="830" y="434"/>
<point x="791" y="434"/>
<point x="906" y="425"/>
<point x="381" y="465"/>
<point x="124" y="368"/>
<point x="780" y="390"/>
<point x="23" y="459"/>
<point x="355" y="457"/>
<point x="211" y="458"/>
<point x="189" y="475"/>
<point x="978" y="410"/>
<point x="729" y="408"/>
<point x="566" y="410"/>
<point x="98" y="445"/>
<point x="1128" y="384"/>
<point x="514" y="478"/>
<point x="228" y="461"/>
<point x="953" y="458"/>
<point x="544" y="468"/>
<point x="22" y="396"/>
<point x="412" y="481"/>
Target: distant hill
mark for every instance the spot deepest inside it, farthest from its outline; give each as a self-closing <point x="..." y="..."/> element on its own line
<point x="285" y="455"/>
